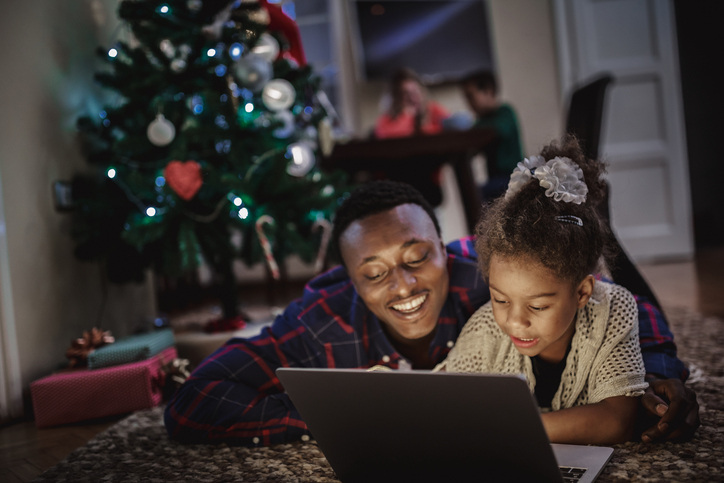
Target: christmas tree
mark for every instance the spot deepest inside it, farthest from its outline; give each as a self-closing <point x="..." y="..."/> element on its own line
<point x="213" y="131"/>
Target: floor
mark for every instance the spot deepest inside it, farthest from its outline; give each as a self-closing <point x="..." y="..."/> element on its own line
<point x="25" y="451"/>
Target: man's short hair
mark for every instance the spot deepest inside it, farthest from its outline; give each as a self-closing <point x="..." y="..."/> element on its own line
<point x="375" y="197"/>
<point x="484" y="80"/>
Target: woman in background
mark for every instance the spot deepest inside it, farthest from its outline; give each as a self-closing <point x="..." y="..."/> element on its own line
<point x="410" y="111"/>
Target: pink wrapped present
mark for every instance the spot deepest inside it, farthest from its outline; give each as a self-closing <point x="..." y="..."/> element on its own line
<point x="81" y="394"/>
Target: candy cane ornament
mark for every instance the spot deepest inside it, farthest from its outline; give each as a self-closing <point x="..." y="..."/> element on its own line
<point x="326" y="228"/>
<point x="265" y="245"/>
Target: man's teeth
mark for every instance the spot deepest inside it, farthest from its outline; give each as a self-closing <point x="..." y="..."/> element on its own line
<point x="412" y="305"/>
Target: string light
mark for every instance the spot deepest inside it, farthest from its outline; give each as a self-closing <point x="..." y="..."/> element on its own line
<point x="111" y="173"/>
<point x="244" y="213"/>
<point x="112" y="53"/>
<point x="151" y="211"/>
<point x="164" y="9"/>
<point x="235" y="50"/>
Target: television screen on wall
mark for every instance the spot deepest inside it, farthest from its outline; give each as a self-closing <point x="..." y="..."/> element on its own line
<point x="442" y="40"/>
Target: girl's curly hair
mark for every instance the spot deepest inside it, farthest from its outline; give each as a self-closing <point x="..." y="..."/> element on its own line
<point x="524" y="226"/>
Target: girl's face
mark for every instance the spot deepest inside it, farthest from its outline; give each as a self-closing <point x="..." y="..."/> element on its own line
<point x="536" y="309"/>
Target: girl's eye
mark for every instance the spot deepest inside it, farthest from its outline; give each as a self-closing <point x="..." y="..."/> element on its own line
<point x="498" y="301"/>
<point x="537" y="309"/>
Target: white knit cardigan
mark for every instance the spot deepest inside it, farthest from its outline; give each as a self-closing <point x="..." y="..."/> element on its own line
<point x="604" y="360"/>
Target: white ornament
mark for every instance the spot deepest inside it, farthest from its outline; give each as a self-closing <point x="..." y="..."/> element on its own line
<point x="167" y="47"/>
<point x="267" y="47"/>
<point x="278" y="94"/>
<point x="177" y="65"/>
<point x="301" y="160"/>
<point x="326" y="136"/>
<point x="253" y="71"/>
<point x="161" y="131"/>
<point x="287" y="128"/>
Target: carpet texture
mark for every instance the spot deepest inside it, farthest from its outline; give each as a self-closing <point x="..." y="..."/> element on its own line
<point x="137" y="449"/>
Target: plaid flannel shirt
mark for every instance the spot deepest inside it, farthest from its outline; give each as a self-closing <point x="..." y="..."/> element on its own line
<point x="235" y="397"/>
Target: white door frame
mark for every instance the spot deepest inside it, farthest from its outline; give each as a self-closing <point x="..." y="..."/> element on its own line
<point x="11" y="393"/>
<point x="653" y="169"/>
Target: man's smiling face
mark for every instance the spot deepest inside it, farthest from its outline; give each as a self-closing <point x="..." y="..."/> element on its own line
<point x="398" y="264"/>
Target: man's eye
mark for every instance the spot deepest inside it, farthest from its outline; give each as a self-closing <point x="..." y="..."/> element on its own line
<point x="374" y="277"/>
<point x="419" y="260"/>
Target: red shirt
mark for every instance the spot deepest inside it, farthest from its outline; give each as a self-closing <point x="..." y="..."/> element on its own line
<point x="404" y="124"/>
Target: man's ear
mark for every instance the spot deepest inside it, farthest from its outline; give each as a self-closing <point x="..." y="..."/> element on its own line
<point x="585" y="290"/>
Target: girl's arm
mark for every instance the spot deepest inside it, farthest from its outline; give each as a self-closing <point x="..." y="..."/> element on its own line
<point x="609" y="421"/>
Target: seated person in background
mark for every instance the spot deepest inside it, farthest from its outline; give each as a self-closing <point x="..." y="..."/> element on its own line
<point x="575" y="338"/>
<point x="410" y="111"/>
<point x="481" y="91"/>
<point x="400" y="299"/>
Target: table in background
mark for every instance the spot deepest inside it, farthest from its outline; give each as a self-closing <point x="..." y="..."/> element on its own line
<point x="413" y="158"/>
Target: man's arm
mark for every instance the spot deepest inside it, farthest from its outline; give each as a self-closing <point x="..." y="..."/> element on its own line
<point x="235" y="397"/>
<point x="670" y="409"/>
<point x="657" y="343"/>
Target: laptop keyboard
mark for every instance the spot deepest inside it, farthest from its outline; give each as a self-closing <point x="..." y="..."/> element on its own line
<point x="571" y="474"/>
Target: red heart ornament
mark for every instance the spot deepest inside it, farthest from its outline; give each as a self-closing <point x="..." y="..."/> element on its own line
<point x="184" y="178"/>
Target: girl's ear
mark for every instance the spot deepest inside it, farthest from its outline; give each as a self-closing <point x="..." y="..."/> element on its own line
<point x="585" y="290"/>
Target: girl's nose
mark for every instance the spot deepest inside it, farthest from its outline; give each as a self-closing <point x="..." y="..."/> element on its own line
<point x="517" y="317"/>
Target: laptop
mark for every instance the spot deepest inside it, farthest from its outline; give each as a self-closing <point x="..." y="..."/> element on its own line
<point x="421" y="426"/>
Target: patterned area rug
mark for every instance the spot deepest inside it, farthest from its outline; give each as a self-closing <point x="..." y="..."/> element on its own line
<point x="137" y="449"/>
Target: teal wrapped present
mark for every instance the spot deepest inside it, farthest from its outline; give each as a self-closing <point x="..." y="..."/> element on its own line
<point x="133" y="348"/>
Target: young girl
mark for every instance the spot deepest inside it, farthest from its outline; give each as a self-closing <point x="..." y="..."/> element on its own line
<point x="575" y="338"/>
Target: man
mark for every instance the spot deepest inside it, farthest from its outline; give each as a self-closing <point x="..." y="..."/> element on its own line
<point x="400" y="300"/>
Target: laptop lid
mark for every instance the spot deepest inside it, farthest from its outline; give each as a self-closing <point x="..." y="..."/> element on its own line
<point x="423" y="426"/>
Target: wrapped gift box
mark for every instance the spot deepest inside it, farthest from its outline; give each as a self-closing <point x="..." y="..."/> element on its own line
<point x="77" y="395"/>
<point x="131" y="349"/>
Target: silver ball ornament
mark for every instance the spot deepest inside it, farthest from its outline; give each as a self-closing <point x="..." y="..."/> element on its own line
<point x="267" y="47"/>
<point x="253" y="71"/>
<point x="161" y="131"/>
<point x="278" y="94"/>
<point x="301" y="159"/>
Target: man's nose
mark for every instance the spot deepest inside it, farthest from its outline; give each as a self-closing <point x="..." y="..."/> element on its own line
<point x="402" y="281"/>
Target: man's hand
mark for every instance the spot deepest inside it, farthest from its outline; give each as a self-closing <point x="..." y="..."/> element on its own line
<point x="672" y="409"/>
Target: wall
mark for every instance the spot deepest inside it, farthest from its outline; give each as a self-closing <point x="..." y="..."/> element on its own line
<point x="48" y="62"/>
